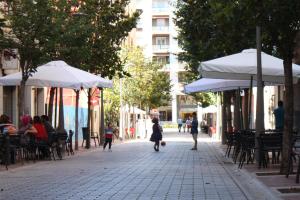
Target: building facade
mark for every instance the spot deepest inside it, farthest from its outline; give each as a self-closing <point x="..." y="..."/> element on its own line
<point x="156" y="33"/>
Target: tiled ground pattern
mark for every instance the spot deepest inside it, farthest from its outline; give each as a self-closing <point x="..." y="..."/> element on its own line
<point x="131" y="171"/>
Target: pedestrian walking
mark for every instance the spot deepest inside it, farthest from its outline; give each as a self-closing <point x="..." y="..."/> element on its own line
<point x="194" y="130"/>
<point x="179" y="122"/>
<point x="108" y="136"/>
<point x="188" y="124"/>
<point x="156" y="134"/>
<point x="184" y="124"/>
<point x="279" y="116"/>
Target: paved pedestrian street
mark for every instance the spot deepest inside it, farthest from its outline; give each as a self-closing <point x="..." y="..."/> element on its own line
<point x="133" y="170"/>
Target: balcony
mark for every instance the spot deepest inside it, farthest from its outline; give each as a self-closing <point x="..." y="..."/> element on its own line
<point x="160" y="29"/>
<point x="165" y="68"/>
<point x="162" y="10"/>
<point x="160" y="48"/>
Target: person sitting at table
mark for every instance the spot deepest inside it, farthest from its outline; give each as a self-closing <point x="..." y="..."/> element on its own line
<point x="41" y="134"/>
<point x="48" y="126"/>
<point x="41" y="137"/>
<point x="26" y="126"/>
<point x="6" y="126"/>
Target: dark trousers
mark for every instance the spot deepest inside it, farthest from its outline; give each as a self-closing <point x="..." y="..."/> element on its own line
<point x="107" y="140"/>
<point x="156" y="145"/>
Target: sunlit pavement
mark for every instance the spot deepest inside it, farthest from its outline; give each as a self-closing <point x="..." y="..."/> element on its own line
<point x="133" y="170"/>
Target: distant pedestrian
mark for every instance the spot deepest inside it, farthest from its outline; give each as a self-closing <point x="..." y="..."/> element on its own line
<point x="279" y="116"/>
<point x="184" y="124"/>
<point x="188" y="124"/>
<point x="156" y="134"/>
<point x="108" y="136"/>
<point x="194" y="130"/>
<point x="179" y="122"/>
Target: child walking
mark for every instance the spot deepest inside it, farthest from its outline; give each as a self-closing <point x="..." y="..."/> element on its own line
<point x="108" y="136"/>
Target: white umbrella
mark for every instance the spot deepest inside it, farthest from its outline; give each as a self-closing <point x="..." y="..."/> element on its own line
<point x="216" y="85"/>
<point x="58" y="74"/>
<point x="243" y="66"/>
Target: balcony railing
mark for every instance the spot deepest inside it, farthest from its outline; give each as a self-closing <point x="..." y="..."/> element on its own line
<point x="160" y="28"/>
<point x="160" y="47"/>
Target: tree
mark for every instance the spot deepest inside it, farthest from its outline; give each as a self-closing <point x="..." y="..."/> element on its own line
<point x="85" y="34"/>
<point x="112" y="104"/>
<point x="210" y="29"/>
<point x="107" y="24"/>
<point x="214" y="26"/>
<point x="146" y="87"/>
<point x="28" y="29"/>
<point x="280" y="21"/>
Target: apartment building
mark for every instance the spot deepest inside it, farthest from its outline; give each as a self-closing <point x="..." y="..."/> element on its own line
<point x="156" y="33"/>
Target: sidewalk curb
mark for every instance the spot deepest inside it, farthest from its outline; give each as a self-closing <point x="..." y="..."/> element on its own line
<point x="247" y="182"/>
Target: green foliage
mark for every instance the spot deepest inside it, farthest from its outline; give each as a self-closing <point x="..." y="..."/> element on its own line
<point x="146" y="87"/>
<point x="112" y="103"/>
<point x="205" y="99"/>
<point x="107" y="24"/>
<point x="210" y="29"/>
<point x="87" y="38"/>
<point x="28" y="28"/>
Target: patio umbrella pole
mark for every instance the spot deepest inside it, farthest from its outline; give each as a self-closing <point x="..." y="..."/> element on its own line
<point x="55" y="113"/>
<point x="76" y="119"/>
<point x="240" y="109"/>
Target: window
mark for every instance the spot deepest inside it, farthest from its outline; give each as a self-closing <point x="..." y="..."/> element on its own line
<point x="161" y="40"/>
<point x="161" y="59"/>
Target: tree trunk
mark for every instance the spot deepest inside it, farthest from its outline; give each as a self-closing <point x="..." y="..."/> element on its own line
<point x="76" y="118"/>
<point x="102" y="118"/>
<point x="21" y="100"/>
<point x="228" y="111"/>
<point x="50" y="106"/>
<point x="237" y="119"/>
<point x="224" y="118"/>
<point x="88" y="139"/>
<point x="260" y="125"/>
<point x="61" y="117"/>
<point x="246" y="109"/>
<point x="288" y="116"/>
<point x="92" y="113"/>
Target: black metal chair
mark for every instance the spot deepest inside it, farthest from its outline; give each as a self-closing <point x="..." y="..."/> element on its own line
<point x="230" y="142"/>
<point x="247" y="148"/>
<point x="4" y="150"/>
<point x="269" y="143"/>
<point x="30" y="147"/>
<point x="16" y="149"/>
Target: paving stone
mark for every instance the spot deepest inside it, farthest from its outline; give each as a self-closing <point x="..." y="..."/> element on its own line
<point x="131" y="171"/>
